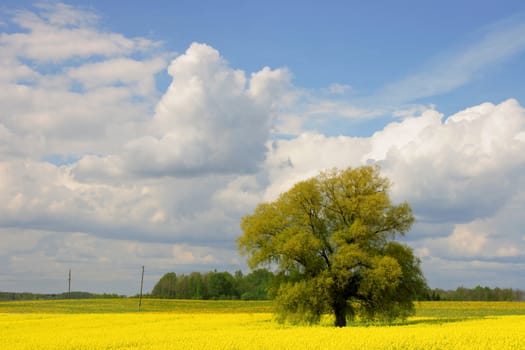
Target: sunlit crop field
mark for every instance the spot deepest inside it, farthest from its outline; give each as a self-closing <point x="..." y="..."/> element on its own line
<point x="217" y="326"/>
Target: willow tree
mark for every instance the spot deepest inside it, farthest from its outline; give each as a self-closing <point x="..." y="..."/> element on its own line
<point x="332" y="239"/>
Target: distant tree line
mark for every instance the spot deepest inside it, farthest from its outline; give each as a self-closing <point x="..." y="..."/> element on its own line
<point x="477" y="293"/>
<point x="257" y="285"/>
<point x="6" y="296"/>
<point x="215" y="285"/>
<point x="261" y="284"/>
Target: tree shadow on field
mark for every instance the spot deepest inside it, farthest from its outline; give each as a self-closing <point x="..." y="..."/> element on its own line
<point x="435" y="321"/>
<point x="412" y="322"/>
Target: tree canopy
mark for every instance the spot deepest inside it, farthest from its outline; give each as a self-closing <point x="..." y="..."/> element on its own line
<point x="331" y="238"/>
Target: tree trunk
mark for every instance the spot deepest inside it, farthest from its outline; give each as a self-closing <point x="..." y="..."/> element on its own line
<point x="339" y="307"/>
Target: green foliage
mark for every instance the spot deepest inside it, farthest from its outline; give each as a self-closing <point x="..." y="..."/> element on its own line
<point x="255" y="285"/>
<point x="331" y="238"/>
<point x="39" y="296"/>
<point x="304" y="301"/>
<point x="221" y="285"/>
<point x="165" y="287"/>
<point x="214" y="285"/>
<point x="477" y="293"/>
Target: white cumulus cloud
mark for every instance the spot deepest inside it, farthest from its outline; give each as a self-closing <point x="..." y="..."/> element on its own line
<point x="211" y="119"/>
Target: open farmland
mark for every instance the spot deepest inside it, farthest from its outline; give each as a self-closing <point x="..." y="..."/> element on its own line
<point x="168" y="324"/>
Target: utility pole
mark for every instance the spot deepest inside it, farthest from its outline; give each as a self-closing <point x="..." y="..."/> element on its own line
<point x="69" y="285"/>
<point x="141" y="285"/>
<point x="170" y="286"/>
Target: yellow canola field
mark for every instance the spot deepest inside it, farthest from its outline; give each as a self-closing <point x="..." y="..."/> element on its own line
<point x="147" y="330"/>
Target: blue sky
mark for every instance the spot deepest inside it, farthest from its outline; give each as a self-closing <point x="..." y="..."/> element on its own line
<point x="364" y="45"/>
<point x="139" y="133"/>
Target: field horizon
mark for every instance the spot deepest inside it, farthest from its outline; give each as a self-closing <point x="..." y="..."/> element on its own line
<point x="130" y="305"/>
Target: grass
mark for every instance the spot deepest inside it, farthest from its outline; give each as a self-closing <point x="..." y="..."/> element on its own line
<point x="126" y="305"/>
<point x="468" y="309"/>
<point x="426" y="309"/>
